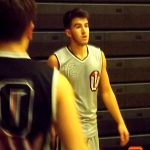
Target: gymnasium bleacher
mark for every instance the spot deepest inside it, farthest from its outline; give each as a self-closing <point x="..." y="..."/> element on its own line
<point x="121" y="28"/>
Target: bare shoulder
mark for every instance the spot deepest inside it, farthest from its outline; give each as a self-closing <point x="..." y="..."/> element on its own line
<point x="52" y="61"/>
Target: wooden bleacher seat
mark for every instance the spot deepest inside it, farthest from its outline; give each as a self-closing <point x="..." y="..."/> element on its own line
<point x="104" y="16"/>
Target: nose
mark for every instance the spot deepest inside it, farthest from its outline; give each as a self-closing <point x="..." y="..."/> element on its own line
<point x="83" y="30"/>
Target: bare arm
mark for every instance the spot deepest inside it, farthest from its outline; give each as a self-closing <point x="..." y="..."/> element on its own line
<point x="68" y="123"/>
<point x="110" y="102"/>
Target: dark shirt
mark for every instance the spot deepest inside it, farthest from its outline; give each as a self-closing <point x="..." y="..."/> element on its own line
<point x="25" y="103"/>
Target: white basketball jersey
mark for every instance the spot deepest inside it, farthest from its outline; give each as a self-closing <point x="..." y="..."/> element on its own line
<point x="84" y="76"/>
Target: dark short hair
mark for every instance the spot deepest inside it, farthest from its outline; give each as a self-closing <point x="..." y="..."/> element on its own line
<point x="71" y="14"/>
<point x="15" y="16"/>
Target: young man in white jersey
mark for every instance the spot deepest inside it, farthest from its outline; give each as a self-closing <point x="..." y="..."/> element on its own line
<point x="85" y="67"/>
<point x="32" y="95"/>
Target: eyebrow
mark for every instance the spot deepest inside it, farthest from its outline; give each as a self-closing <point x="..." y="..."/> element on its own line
<point x="76" y="24"/>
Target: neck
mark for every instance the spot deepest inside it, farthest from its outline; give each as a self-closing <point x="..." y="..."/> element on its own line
<point x="78" y="51"/>
<point x="20" y="46"/>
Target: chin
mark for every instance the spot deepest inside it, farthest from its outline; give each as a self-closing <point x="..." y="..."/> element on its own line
<point x="83" y="44"/>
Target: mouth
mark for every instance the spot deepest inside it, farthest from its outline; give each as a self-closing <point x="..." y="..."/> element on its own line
<point x="85" y="37"/>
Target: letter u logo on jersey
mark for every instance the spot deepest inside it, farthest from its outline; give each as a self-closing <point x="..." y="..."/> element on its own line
<point x="94" y="80"/>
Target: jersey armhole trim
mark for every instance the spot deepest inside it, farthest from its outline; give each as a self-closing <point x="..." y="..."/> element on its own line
<point x="57" y="60"/>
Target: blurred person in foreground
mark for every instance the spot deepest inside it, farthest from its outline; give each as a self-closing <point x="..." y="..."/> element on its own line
<point x="32" y="95"/>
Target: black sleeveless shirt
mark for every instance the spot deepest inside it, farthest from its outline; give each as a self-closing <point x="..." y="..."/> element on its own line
<point x="25" y="102"/>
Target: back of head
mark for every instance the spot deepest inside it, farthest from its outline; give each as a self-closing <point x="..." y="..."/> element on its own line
<point x="74" y="13"/>
<point x="15" y="16"/>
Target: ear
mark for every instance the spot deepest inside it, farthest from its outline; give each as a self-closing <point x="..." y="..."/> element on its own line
<point x="29" y="31"/>
<point x="68" y="32"/>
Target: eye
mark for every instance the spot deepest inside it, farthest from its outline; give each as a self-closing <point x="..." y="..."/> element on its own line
<point x="78" y="26"/>
<point x="87" y="25"/>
